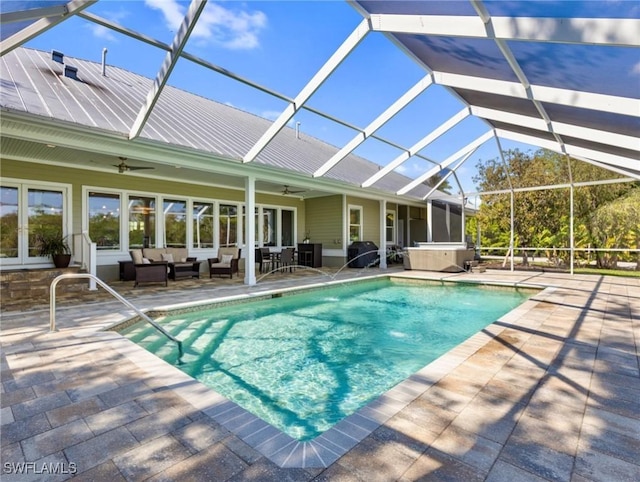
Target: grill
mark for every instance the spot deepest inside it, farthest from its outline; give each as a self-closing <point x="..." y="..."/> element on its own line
<point x="358" y="258"/>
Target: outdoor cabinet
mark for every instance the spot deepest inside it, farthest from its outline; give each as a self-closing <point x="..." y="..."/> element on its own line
<point x="310" y="254"/>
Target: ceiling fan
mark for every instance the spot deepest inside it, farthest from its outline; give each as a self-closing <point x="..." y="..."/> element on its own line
<point x="124" y="167"/>
<point x="286" y="191"/>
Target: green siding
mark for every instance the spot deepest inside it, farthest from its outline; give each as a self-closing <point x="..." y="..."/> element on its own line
<point x="323" y="220"/>
<point x="78" y="178"/>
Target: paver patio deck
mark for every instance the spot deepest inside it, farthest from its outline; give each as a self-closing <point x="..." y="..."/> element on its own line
<point x="550" y="391"/>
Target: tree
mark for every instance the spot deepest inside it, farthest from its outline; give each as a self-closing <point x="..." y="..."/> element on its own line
<point x="541" y="217"/>
<point x="436" y="178"/>
<point x="534" y="217"/>
<point x="617" y="225"/>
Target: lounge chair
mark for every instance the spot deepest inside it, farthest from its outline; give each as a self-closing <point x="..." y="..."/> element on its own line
<point x="225" y="263"/>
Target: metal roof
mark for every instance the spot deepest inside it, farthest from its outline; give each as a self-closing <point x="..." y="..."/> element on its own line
<point x="560" y="75"/>
<point x="34" y="84"/>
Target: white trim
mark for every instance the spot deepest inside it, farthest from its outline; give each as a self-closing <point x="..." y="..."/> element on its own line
<point x="42" y="25"/>
<point x="108" y="257"/>
<point x="604" y="137"/>
<point x="354" y="207"/>
<point x="179" y="41"/>
<point x="615" y="163"/>
<point x="307" y="91"/>
<point x="573" y="98"/>
<point x="376" y="124"/>
<point x="600" y="31"/>
<point x="450" y="160"/>
<point x="418" y="146"/>
<point x="23" y="186"/>
<point x="395" y="225"/>
<point x="382" y="233"/>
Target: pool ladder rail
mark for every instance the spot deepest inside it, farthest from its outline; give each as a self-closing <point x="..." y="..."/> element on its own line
<point x="127" y="303"/>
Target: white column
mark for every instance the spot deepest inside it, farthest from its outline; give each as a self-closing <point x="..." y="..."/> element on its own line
<point x="250" y="229"/>
<point x="383" y="234"/>
<point x="429" y="222"/>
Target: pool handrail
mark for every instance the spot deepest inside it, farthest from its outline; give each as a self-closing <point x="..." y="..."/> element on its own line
<point x="127" y="303"/>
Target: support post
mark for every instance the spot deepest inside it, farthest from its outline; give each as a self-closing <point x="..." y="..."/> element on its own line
<point x="383" y="234"/>
<point x="250" y="229"/>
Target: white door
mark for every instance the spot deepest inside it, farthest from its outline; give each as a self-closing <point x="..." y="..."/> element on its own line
<point x="26" y="211"/>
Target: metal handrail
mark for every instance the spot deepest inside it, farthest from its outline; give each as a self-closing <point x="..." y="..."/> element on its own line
<point x="52" y="306"/>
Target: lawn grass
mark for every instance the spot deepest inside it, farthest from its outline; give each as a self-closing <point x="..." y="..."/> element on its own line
<point x="626" y="273"/>
<point x="538" y="266"/>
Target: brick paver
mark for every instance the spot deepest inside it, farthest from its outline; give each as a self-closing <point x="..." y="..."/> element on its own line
<point x="549" y="392"/>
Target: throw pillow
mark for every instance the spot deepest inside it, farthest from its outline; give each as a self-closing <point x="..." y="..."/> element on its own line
<point x="183" y="260"/>
<point x="168" y="257"/>
<point x="136" y="256"/>
<point x="226" y="258"/>
<point x="145" y="261"/>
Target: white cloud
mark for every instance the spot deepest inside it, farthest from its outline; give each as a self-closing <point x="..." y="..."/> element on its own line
<point x="270" y="114"/>
<point x="233" y="29"/>
<point x="101" y="32"/>
<point x="105" y="33"/>
<point x="636" y="69"/>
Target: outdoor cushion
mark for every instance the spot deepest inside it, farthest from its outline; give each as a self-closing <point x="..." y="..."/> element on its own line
<point x="226" y="258"/>
<point x="136" y="256"/>
<point x="167" y="257"/>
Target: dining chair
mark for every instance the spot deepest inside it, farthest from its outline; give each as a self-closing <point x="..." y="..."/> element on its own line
<point x="268" y="260"/>
<point x="286" y="259"/>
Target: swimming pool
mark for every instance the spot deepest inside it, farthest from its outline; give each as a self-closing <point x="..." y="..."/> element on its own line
<point x="304" y="362"/>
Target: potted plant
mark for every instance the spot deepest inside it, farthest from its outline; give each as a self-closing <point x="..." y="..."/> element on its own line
<point x="54" y="245"/>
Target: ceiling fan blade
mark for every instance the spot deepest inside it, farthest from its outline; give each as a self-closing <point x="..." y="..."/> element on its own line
<point x="286" y="191"/>
<point x="123" y="167"/>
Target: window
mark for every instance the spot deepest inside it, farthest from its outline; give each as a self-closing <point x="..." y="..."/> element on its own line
<point x="355" y="223"/>
<point x="104" y="220"/>
<point x="269" y="217"/>
<point x="175" y="223"/>
<point x="142" y="222"/>
<point x="203" y="235"/>
<point x="390" y="227"/>
<point x="287" y="217"/>
<point x="228" y="225"/>
<point x="45" y="215"/>
<point x="9" y="222"/>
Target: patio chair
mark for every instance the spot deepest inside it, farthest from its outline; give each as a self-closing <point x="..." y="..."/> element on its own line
<point x="287" y="259"/>
<point x="268" y="259"/>
<point x="225" y="263"/>
<point x="147" y="271"/>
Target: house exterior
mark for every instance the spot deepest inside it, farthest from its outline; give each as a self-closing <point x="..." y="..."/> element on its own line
<point x="68" y="163"/>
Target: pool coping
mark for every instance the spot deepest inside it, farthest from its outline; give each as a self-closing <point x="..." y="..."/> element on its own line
<point x="282" y="449"/>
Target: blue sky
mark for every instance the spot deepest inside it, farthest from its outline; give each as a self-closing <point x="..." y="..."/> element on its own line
<point x="281" y="44"/>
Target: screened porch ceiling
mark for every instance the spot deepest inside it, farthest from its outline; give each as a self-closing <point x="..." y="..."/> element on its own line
<point x="564" y="76"/>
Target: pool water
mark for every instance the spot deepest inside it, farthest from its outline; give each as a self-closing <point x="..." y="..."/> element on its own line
<point x="304" y="362"/>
